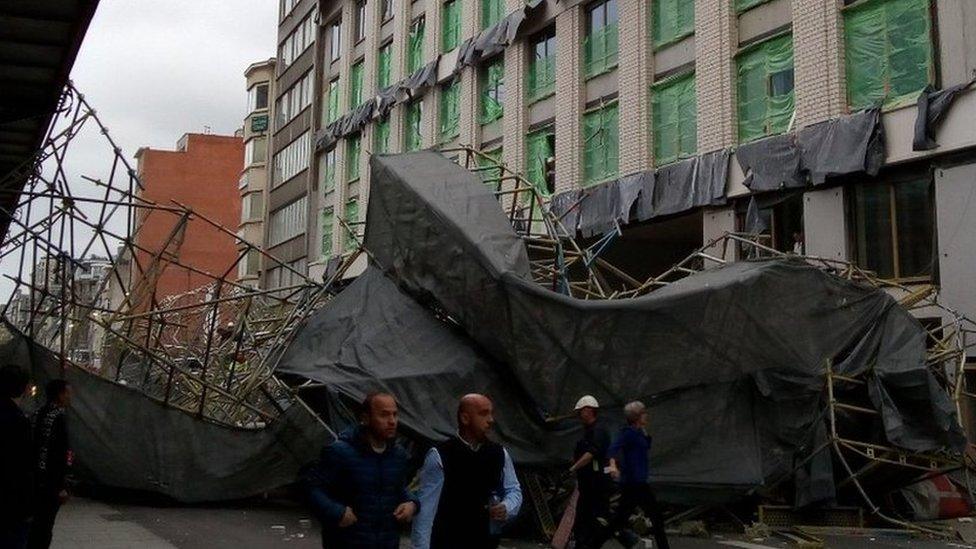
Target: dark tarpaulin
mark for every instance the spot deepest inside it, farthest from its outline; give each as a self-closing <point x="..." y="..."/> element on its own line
<point x="731" y="360"/>
<point x="123" y="439"/>
<point x="566" y="207"/>
<point x="771" y="164"/>
<point x="932" y="106"/>
<point x="845" y="145"/>
<point x="494" y="39"/>
<point x="415" y="84"/>
<point x="606" y="205"/>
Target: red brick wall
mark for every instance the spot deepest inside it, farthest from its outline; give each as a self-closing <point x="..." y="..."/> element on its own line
<point x="204" y="178"/>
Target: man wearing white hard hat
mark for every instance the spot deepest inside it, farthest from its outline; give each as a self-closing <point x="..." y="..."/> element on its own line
<point x="593" y="481"/>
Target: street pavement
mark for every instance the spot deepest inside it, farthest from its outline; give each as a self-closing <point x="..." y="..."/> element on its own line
<point x="89" y="524"/>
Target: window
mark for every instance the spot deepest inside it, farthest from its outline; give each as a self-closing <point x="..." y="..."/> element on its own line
<point x="451" y="25"/>
<point x="745" y="5"/>
<point x="415" y="46"/>
<point x="894" y="228"/>
<point x="412" y="136"/>
<point x="671" y="20"/>
<point x="287" y="222"/>
<point x="387" y="9"/>
<point x="492" y="90"/>
<point x="256" y="151"/>
<point x="291" y="103"/>
<point x="335" y="41"/>
<point x="492" y="11"/>
<point x="777" y="219"/>
<point x="353" y="148"/>
<point x="332" y="114"/>
<point x="355" y="228"/>
<point x="450" y="111"/>
<point x="252" y="207"/>
<point x="257" y="97"/>
<point x="540" y="148"/>
<point x="327" y="169"/>
<point x="383" y="62"/>
<point x="287" y="6"/>
<point x="600" y="44"/>
<point x="492" y="160"/>
<point x="675" y="119"/>
<point x="765" y="86"/>
<point x="600" y="135"/>
<point x="542" y="66"/>
<point x="888" y="46"/>
<point x="291" y="160"/>
<point x="360" y="21"/>
<point x="296" y="43"/>
<point x="328" y="226"/>
<point x="249" y="265"/>
<point x="356" y="85"/>
<point x="381" y="136"/>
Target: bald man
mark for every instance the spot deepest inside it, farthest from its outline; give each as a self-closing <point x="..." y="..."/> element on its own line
<point x="468" y="487"/>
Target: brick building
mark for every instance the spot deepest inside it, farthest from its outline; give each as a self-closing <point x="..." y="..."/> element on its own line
<point x="615" y="87"/>
<point x="202" y="173"/>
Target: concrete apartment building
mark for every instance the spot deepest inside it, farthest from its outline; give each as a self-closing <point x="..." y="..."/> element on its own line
<point x="203" y="174"/>
<point x="610" y="88"/>
<point x="253" y="183"/>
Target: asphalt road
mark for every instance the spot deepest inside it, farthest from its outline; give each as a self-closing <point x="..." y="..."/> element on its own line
<point x="89" y="524"/>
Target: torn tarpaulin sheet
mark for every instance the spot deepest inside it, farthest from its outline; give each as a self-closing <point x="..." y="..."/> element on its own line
<point x="494" y="39"/>
<point x="845" y="145"/>
<point x="604" y="206"/>
<point x="385" y="100"/>
<point x="932" y="107"/>
<point x="124" y="439"/>
<point x="566" y="207"/>
<point x="415" y="84"/>
<point x="731" y="361"/>
<point x="771" y="163"/>
<point x="687" y="184"/>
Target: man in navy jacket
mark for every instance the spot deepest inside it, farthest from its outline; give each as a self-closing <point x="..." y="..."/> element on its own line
<point x="358" y="489"/>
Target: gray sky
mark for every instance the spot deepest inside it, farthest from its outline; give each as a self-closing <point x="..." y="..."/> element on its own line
<point x="154" y="70"/>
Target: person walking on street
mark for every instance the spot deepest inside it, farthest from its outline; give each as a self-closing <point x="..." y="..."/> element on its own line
<point x="358" y="488"/>
<point x="16" y="461"/>
<point x="468" y="488"/>
<point x="52" y="459"/>
<point x="592" y="481"/>
<point x="629" y="465"/>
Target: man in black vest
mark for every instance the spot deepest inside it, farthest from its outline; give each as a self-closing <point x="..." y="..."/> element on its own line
<point x="468" y="487"/>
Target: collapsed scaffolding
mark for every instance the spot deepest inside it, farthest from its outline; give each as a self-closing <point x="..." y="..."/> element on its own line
<point x="212" y="354"/>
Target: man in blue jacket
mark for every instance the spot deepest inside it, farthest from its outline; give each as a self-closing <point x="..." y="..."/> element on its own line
<point x="358" y="489"/>
<point x="629" y="465"/>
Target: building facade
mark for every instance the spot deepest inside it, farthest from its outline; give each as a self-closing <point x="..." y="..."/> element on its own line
<point x="203" y="174"/>
<point x="601" y="89"/>
<point x="253" y="183"/>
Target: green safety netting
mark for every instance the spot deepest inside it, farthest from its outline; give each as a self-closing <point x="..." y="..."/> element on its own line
<point x="600" y="145"/>
<point x="382" y="137"/>
<point x="328" y="218"/>
<point x="671" y="20"/>
<point x="352" y="158"/>
<point x="356" y="85"/>
<point x="743" y="5"/>
<point x="328" y="172"/>
<point x="492" y="92"/>
<point x="493" y="160"/>
<point x="537" y="151"/>
<point x="383" y="67"/>
<point x="492" y="11"/>
<point x="889" y="51"/>
<point x="352" y="216"/>
<point x="450" y="111"/>
<point x="675" y="119"/>
<point x="333" y="101"/>
<point x="412" y="136"/>
<point x="415" y="48"/>
<point x="541" y="77"/>
<point x="600" y="50"/>
<point x="451" y="29"/>
<point x="765" y="88"/>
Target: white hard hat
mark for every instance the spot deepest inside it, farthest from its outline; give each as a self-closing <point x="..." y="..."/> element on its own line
<point x="586" y="401"/>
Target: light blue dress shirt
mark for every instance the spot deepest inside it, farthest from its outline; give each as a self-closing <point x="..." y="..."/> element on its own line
<point x="429" y="494"/>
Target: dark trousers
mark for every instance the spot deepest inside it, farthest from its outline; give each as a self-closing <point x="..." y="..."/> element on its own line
<point x="42" y="527"/>
<point x="640" y="496"/>
<point x="592" y="505"/>
<point x="13" y="534"/>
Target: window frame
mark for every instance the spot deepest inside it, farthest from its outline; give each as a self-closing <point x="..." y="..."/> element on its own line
<point x="491" y="78"/>
<point x="384" y="67"/>
<point x="408" y="124"/>
<point x="606" y="175"/>
<point x="609" y="61"/>
<point x="450" y="25"/>
<point x="656" y="93"/>
<point x="356" y="81"/>
<point x="335" y="40"/>
<point x="763" y="47"/>
<point x="359" y="32"/>
<point x="536" y="91"/>
<point x="453" y="88"/>
<point x="354" y="152"/>
<point x="415" y="44"/>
